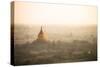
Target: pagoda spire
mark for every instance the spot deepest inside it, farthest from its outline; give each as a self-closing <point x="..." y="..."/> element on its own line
<point x="41" y="31"/>
<point x="41" y="35"/>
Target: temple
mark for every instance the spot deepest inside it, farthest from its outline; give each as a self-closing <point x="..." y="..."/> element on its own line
<point x="42" y="36"/>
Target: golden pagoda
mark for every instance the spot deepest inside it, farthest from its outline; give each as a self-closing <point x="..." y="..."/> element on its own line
<point x="42" y="36"/>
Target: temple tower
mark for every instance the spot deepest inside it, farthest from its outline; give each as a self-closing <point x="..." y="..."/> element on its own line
<point x="42" y="36"/>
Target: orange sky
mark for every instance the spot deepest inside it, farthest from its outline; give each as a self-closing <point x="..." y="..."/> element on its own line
<point x="42" y="13"/>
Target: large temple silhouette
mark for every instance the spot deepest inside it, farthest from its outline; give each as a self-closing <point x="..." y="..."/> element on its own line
<point x="42" y="37"/>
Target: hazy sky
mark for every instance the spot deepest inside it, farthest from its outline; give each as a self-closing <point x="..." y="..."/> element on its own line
<point x="44" y="14"/>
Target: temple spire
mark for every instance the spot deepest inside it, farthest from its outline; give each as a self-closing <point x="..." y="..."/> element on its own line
<point x="41" y="31"/>
<point x="41" y="35"/>
<point x="41" y="27"/>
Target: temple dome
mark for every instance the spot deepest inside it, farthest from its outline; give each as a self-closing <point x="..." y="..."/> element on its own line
<point x="42" y="35"/>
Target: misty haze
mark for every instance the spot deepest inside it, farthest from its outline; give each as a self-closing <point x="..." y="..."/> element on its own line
<point x="43" y="33"/>
<point x="64" y="44"/>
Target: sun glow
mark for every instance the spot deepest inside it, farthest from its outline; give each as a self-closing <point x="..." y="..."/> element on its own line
<point x="39" y="13"/>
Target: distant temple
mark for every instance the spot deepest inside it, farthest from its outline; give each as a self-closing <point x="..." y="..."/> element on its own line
<point x="42" y="36"/>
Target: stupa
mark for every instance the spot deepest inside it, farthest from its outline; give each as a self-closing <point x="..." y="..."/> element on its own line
<point x="42" y="36"/>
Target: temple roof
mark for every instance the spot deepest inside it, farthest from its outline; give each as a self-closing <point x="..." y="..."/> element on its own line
<point x="42" y="36"/>
<point x="41" y="31"/>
